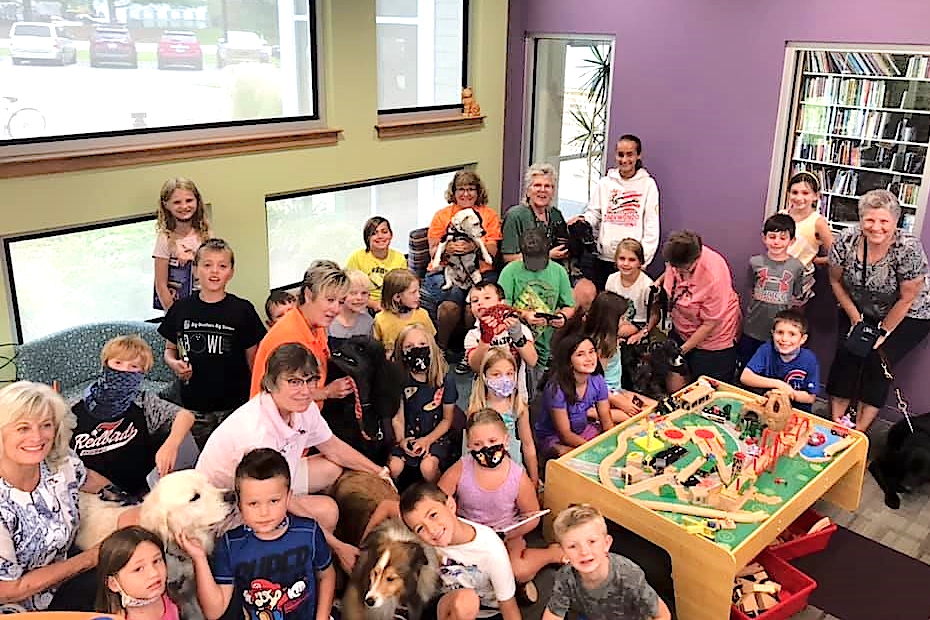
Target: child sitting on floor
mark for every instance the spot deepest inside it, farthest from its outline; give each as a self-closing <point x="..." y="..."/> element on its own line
<point x="400" y="300"/>
<point x="277" y="304"/>
<point x="353" y="318"/>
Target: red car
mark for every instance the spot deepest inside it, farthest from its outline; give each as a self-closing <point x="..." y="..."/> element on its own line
<point x="179" y="48"/>
<point x="113" y="45"/>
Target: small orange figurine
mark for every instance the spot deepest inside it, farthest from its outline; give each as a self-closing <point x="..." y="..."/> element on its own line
<point x="470" y="107"/>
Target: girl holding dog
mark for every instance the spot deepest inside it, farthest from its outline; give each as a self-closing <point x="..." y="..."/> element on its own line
<point x="132" y="577"/>
<point x="493" y="490"/>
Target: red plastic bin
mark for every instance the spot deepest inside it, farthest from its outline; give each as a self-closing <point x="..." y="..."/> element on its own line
<point x="796" y="588"/>
<point x="802" y="543"/>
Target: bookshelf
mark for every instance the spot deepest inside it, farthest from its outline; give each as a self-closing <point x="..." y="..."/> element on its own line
<point x="859" y="119"/>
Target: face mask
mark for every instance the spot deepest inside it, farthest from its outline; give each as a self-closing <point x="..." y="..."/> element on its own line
<point x="502" y="386"/>
<point x="109" y="397"/>
<point x="130" y="601"/>
<point x="417" y="359"/>
<point x="489" y="456"/>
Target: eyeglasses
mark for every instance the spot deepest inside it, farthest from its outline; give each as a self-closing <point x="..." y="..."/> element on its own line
<point x="297" y="382"/>
<point x="467" y="189"/>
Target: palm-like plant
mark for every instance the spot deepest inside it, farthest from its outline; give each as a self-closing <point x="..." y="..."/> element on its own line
<point x="591" y="119"/>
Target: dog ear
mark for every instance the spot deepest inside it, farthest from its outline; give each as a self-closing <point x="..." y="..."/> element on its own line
<point x="154" y="518"/>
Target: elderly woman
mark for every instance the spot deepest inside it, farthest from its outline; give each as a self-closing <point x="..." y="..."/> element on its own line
<point x="892" y="294"/>
<point x="284" y="416"/>
<point x="465" y="191"/>
<point x="703" y="306"/>
<point x="39" y="482"/>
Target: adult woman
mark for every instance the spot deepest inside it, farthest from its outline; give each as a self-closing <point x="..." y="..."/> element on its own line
<point x="39" y="482"/>
<point x="894" y="297"/>
<point x="703" y="305"/>
<point x="284" y="416"/>
<point x="465" y="191"/>
<point x="377" y="257"/>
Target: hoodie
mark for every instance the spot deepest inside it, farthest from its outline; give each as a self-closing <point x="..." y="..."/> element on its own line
<point x="622" y="208"/>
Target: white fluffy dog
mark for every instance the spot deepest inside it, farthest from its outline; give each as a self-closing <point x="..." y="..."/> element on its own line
<point x="181" y="501"/>
<point x="462" y="270"/>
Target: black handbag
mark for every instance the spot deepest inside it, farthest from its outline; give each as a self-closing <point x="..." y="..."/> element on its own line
<point x="864" y="334"/>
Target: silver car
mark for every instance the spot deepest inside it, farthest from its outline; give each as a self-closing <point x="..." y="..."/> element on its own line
<point x="41" y="41"/>
<point x="241" y="46"/>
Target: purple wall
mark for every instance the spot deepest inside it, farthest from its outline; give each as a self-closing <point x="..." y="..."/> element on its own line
<point x="698" y="81"/>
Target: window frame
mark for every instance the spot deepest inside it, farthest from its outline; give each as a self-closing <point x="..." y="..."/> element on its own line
<point x="57" y="232"/>
<point x="789" y="103"/>
<point x="387" y="113"/>
<point x="69" y="152"/>
<point x="350" y="186"/>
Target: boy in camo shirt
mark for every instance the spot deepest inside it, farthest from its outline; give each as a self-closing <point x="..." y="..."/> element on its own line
<point x="598" y="584"/>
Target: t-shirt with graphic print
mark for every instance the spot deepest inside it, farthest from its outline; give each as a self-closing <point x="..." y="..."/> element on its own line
<point x="215" y="337"/>
<point x="624" y="595"/>
<point x="423" y="406"/>
<point x="546" y="290"/>
<point x="274" y="579"/>
<point x="637" y="295"/>
<point x="776" y="286"/>
<point x="481" y="564"/>
<point x="801" y="372"/>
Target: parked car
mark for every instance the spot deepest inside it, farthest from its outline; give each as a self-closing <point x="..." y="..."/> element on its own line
<point x="179" y="48"/>
<point x="113" y="45"/>
<point x="41" y="41"/>
<point x="241" y="46"/>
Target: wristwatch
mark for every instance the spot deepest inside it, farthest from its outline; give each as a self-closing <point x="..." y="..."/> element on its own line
<point x="882" y="332"/>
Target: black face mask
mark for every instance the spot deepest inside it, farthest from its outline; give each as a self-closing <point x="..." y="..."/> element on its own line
<point x="417" y="359"/>
<point x="490" y="456"/>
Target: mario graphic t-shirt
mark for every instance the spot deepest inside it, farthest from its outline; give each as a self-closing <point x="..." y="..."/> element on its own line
<point x="273" y="579"/>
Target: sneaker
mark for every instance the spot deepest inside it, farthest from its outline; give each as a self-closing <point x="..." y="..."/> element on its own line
<point x="527" y="593"/>
<point x="462" y="368"/>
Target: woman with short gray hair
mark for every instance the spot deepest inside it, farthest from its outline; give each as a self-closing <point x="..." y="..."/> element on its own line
<point x="536" y="210"/>
<point x="878" y="274"/>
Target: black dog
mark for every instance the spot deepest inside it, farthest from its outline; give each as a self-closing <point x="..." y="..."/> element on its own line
<point x="650" y="363"/>
<point x="582" y="250"/>
<point x="378" y="383"/>
<point x="905" y="460"/>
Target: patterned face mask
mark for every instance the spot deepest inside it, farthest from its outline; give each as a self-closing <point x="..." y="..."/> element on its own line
<point x="502" y="386"/>
<point x="490" y="456"/>
<point x="109" y="397"/>
<point x="128" y="601"/>
<point x="417" y="359"/>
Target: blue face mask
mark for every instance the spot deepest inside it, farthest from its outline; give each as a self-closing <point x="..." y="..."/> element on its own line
<point x="109" y="397"/>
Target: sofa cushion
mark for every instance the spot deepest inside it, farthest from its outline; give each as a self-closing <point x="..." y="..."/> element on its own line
<point x="72" y="356"/>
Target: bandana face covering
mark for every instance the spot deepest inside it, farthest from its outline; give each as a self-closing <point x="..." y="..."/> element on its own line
<point x="417" y="359"/>
<point x="490" y="456"/>
<point x="502" y="386"/>
<point x="109" y="397"/>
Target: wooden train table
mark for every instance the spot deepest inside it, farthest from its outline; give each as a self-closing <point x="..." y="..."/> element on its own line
<point x="712" y="475"/>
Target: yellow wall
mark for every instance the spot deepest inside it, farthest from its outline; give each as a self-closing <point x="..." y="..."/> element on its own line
<point x="237" y="186"/>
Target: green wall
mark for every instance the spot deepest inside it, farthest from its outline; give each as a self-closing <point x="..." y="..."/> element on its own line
<point x="237" y="186"/>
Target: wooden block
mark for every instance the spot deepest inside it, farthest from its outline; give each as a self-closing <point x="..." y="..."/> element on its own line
<point x="820" y="525"/>
<point x="769" y="587"/>
<point x="749" y="604"/>
<point x="766" y="601"/>
<point x="749" y="569"/>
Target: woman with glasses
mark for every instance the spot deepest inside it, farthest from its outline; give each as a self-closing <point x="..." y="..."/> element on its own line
<point x="702" y="304"/>
<point x="466" y="191"/>
<point x="39" y="483"/>
<point x="284" y="416"/>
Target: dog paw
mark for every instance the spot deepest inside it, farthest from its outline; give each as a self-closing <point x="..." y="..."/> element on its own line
<point x="892" y="501"/>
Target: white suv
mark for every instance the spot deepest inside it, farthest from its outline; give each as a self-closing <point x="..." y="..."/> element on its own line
<point x="37" y="41"/>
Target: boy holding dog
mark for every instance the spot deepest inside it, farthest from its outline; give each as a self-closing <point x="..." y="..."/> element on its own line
<point x="477" y="579"/>
<point x="278" y="565"/>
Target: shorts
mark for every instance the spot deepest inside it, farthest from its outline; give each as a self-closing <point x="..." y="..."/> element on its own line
<point x="548" y="443"/>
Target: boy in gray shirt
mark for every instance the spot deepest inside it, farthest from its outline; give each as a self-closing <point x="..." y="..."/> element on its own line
<point x="597" y="584"/>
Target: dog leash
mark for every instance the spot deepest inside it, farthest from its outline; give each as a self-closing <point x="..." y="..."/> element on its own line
<point x="902" y="404"/>
<point x="359" y="410"/>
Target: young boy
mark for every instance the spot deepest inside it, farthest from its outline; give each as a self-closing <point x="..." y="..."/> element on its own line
<point x="537" y="285"/>
<point x="488" y="332"/>
<point x="598" y="584"/>
<point x="783" y="364"/>
<point x="116" y="419"/>
<point x="477" y="579"/>
<point x="277" y="565"/>
<point x="777" y="284"/>
<point x="277" y="304"/>
<point x="210" y="341"/>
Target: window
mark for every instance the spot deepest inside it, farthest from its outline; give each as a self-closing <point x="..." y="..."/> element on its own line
<point x="421" y="54"/>
<point x="328" y="223"/>
<point x="858" y="117"/>
<point x="151" y="67"/>
<point x="568" y="116"/>
<point x="82" y="275"/>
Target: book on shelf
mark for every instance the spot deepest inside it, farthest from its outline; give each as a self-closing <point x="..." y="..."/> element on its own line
<point x="858" y="63"/>
<point x="846" y="183"/>
<point x="918" y="67"/>
<point x="844" y="91"/>
<point x="906" y="192"/>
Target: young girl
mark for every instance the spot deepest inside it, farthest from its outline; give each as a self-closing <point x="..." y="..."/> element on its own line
<point x="496" y="387"/>
<point x="491" y="489"/>
<point x="401" y="301"/>
<point x="377" y="258"/>
<point x="632" y="283"/>
<point x="422" y="423"/>
<point x="812" y="233"/>
<point x="574" y="386"/>
<point x="133" y="577"/>
<point x="182" y="228"/>
<point x="353" y="318"/>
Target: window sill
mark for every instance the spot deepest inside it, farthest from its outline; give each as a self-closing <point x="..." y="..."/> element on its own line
<point x="169" y="150"/>
<point x="422" y="126"/>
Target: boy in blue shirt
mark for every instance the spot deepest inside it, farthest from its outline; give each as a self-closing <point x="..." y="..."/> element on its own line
<point x="278" y="565"/>
<point x="783" y="364"/>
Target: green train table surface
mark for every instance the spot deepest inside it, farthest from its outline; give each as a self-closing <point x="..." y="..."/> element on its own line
<point x="670" y="506"/>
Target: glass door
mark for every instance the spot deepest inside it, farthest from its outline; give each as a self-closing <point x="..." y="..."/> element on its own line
<point x="568" y="112"/>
